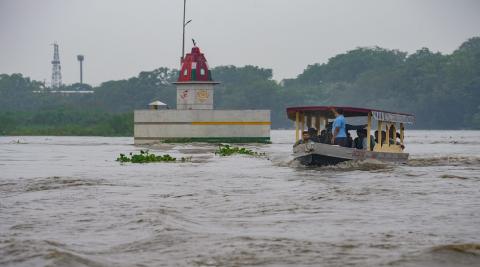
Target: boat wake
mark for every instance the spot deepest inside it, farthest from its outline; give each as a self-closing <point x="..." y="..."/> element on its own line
<point x="444" y="255"/>
<point x="445" y="161"/>
<point x="351" y="165"/>
<point x="49" y="183"/>
<point x="469" y="248"/>
<point x="376" y="165"/>
<point x="15" y="252"/>
<point x="360" y="165"/>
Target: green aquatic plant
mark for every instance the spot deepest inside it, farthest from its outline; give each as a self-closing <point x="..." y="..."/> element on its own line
<point x="147" y="157"/>
<point x="227" y="150"/>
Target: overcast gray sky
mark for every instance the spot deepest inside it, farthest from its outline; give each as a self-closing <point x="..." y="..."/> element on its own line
<point x="120" y="38"/>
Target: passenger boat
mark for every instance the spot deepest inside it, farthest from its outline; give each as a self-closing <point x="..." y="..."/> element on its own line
<point x="322" y="154"/>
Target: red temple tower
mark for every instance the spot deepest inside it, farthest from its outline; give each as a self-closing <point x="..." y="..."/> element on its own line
<point x="195" y="83"/>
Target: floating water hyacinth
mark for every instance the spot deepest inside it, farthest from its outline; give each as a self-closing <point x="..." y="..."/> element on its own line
<point x="227" y="150"/>
<point x="146" y="157"/>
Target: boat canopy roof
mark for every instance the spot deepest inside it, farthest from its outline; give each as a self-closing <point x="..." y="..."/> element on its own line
<point x="326" y="111"/>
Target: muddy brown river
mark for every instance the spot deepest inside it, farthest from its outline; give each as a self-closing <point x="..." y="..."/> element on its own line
<point x="65" y="201"/>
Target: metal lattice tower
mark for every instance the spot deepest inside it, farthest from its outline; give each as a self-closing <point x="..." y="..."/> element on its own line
<point x="56" y="69"/>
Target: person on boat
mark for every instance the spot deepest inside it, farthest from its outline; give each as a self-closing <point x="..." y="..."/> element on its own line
<point x="399" y="142"/>
<point x="305" y="139"/>
<point x="364" y="141"/>
<point x="349" y="139"/>
<point x="361" y="141"/>
<point x="395" y="138"/>
<point x="358" y="141"/>
<point x="338" y="129"/>
<point x="391" y="139"/>
<point x="328" y="134"/>
<point x="313" y="135"/>
<point x="384" y="136"/>
<point x="372" y="141"/>
<point x="323" y="137"/>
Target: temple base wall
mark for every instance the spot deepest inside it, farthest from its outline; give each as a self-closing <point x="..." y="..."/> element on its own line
<point x="230" y="126"/>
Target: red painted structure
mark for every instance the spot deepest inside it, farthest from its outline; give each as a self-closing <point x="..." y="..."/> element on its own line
<point x="195" y="68"/>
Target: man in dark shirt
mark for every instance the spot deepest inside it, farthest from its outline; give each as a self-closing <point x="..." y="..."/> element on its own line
<point x="313" y="135"/>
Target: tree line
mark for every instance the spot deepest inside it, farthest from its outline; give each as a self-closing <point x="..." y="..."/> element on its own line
<point x="443" y="91"/>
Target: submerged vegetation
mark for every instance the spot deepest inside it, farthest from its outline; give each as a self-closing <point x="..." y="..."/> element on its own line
<point x="227" y="150"/>
<point x="147" y="157"/>
<point x="442" y="90"/>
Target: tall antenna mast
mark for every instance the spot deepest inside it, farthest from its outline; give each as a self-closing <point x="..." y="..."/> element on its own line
<point x="183" y="34"/>
<point x="80" y="59"/>
<point x="56" y="69"/>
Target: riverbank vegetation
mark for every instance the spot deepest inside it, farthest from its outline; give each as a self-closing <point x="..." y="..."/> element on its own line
<point x="64" y="121"/>
<point x="443" y="91"/>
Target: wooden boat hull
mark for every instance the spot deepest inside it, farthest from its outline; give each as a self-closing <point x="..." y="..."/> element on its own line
<point x="319" y="154"/>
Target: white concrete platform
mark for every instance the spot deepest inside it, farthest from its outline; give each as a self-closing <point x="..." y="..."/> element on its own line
<point x="233" y="126"/>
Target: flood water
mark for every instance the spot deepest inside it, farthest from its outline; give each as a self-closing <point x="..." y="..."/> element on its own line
<point x="65" y="201"/>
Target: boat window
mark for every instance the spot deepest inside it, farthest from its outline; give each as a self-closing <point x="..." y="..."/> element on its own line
<point x="202" y="71"/>
<point x="185" y="72"/>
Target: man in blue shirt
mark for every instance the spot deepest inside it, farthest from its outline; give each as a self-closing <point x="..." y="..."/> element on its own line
<point x="338" y="128"/>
